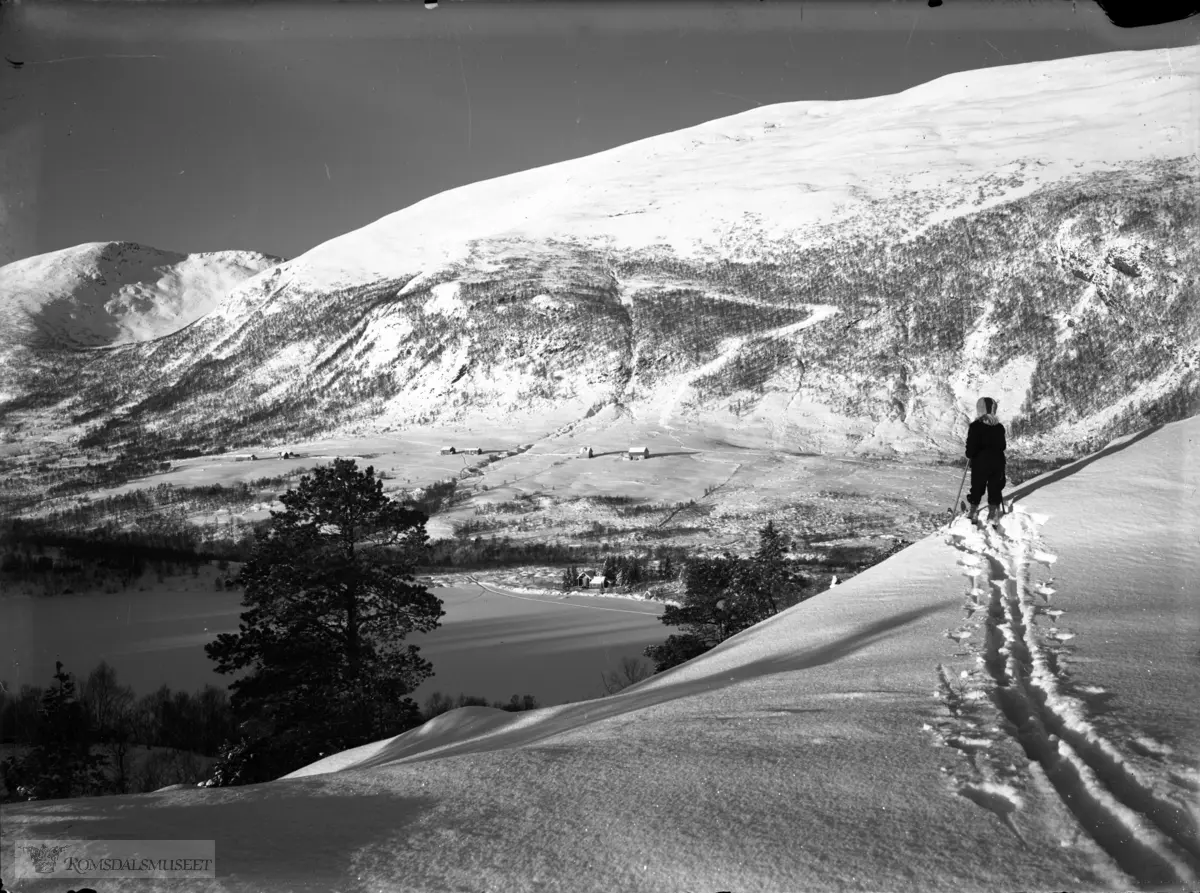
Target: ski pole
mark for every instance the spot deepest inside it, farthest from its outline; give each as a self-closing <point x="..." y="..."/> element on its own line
<point x="954" y="508"/>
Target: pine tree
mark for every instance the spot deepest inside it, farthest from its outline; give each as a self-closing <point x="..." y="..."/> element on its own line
<point x="609" y="568"/>
<point x="666" y="569"/>
<point x="770" y="566"/>
<point x="60" y="764"/>
<point x="568" y="579"/>
<point x="329" y="598"/>
<point x="707" y="614"/>
<point x="633" y="575"/>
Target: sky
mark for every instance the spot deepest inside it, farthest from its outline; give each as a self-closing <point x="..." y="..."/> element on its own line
<point x="276" y="126"/>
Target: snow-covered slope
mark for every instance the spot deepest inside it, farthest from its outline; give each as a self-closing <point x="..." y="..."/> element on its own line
<point x="794" y="166"/>
<point x="982" y="711"/>
<point x="106" y="293"/>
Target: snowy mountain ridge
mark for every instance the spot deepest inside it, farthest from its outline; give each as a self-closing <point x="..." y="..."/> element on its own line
<point x="111" y="293"/>
<point x="801" y="165"/>
<point x="1027" y="231"/>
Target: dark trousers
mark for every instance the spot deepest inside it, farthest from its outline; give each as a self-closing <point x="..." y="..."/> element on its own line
<point x="986" y="475"/>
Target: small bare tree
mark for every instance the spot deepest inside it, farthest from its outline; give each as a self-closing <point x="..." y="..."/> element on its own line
<point x="104" y="697"/>
<point x="167" y="767"/>
<point x="632" y="671"/>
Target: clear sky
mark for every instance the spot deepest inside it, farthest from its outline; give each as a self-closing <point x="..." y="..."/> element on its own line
<point x="276" y="126"/>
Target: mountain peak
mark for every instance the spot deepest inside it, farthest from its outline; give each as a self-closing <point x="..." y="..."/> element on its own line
<point x="100" y="294"/>
<point x="798" y="167"/>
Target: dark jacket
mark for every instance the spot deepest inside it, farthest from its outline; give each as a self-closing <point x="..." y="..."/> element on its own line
<point x="986" y="444"/>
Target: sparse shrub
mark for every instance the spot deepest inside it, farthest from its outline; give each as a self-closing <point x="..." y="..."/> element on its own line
<point x="632" y="671"/>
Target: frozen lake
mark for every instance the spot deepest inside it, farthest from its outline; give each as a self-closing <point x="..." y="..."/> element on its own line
<point x="491" y="643"/>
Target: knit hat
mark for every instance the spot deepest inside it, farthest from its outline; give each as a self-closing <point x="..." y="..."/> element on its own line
<point x="985" y="408"/>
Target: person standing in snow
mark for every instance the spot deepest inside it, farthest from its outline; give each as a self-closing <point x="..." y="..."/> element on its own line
<point x="985" y="453"/>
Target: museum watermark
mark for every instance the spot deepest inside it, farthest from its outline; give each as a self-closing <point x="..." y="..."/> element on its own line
<point x="99" y="859"/>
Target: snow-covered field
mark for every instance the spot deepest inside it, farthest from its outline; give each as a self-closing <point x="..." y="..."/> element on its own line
<point x="993" y="710"/>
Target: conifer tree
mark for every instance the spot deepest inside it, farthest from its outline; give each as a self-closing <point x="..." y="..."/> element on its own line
<point x="666" y="569"/>
<point x="633" y="575"/>
<point x="330" y="597"/>
<point x="60" y="764"/>
<point x="724" y="595"/>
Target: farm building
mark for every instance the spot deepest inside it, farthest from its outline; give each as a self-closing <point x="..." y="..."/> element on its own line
<point x="639" y="452"/>
<point x="447" y="451"/>
<point x="592" y="580"/>
<point x="473" y="451"/>
<point x="585" y="452"/>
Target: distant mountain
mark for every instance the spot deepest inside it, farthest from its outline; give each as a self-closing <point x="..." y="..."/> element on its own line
<point x="108" y="293"/>
<point x="836" y="276"/>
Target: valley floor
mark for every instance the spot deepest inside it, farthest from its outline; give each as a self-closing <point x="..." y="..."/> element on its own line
<point x="993" y="710"/>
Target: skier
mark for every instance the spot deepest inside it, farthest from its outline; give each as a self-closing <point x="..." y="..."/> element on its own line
<point x="985" y="454"/>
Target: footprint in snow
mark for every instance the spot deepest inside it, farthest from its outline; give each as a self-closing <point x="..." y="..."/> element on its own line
<point x="1148" y="747"/>
<point x="1000" y="799"/>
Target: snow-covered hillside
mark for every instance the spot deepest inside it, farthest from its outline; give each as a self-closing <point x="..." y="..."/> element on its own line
<point x="838" y="277"/>
<point x="983" y="711"/>
<point x="106" y="293"/>
<point x="795" y="166"/>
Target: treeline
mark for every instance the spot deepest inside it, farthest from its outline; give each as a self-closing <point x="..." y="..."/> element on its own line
<point x="437" y="704"/>
<point x="56" y="561"/>
<point x="163" y="510"/>
<point x="503" y="551"/>
<point x="95" y="547"/>
<point x="97" y="737"/>
<point x="73" y="740"/>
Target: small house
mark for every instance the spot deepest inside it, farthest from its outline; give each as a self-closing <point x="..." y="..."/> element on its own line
<point x="585" y="452"/>
<point x="639" y="452"/>
<point x="592" y="580"/>
<point x="446" y="451"/>
<point x="473" y="451"/>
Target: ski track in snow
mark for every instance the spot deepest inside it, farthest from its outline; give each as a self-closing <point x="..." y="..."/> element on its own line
<point x="820" y="312"/>
<point x="1019" y="670"/>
